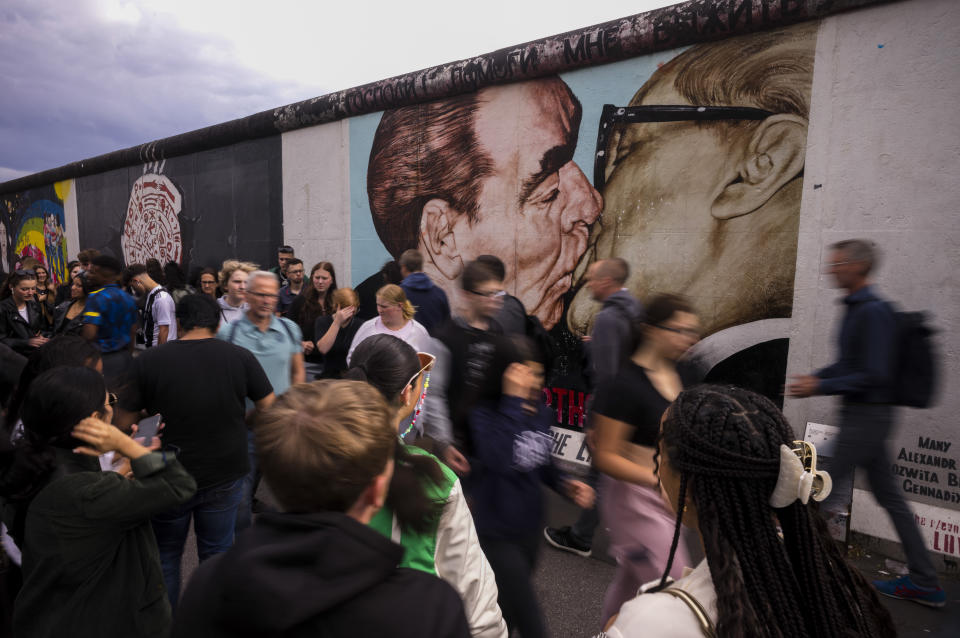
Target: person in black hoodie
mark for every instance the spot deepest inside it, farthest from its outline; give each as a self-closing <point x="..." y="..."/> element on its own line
<point x="317" y="569"/>
<point x="512" y="445"/>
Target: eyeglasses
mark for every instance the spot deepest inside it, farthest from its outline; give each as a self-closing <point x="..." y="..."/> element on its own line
<point x="112" y="398"/>
<point x="612" y="114"/>
<point x="687" y="332"/>
<point x="263" y="295"/>
<point x="208" y="283"/>
<point x="488" y="293"/>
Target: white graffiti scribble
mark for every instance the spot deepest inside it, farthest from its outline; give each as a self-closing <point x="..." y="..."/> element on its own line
<point x="531" y="450"/>
<point x="151" y="228"/>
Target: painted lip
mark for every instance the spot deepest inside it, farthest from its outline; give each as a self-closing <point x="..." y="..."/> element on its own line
<point x="555" y="291"/>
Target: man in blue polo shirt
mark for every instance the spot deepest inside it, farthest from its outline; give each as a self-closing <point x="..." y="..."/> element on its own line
<point x="276" y="344"/>
<point x="110" y="320"/>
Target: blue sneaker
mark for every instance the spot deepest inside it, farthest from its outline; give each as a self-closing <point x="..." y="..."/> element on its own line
<point x="904" y="589"/>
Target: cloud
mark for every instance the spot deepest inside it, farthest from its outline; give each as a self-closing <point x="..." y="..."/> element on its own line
<point x="76" y="84"/>
<point x="86" y="77"/>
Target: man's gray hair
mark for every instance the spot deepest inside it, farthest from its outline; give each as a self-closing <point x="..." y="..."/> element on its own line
<point x="859" y="250"/>
<point x="257" y="274"/>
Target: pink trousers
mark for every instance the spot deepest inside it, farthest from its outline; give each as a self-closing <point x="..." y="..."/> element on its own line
<point x="641" y="530"/>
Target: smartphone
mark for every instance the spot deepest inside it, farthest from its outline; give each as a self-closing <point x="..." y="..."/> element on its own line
<point x="147" y="429"/>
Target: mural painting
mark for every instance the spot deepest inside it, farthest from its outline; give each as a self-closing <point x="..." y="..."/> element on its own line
<point x="32" y="225"/>
<point x="697" y="176"/>
<point x="151" y="228"/>
<point x="195" y="210"/>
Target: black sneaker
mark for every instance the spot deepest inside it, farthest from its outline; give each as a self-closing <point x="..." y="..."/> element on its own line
<point x="562" y="538"/>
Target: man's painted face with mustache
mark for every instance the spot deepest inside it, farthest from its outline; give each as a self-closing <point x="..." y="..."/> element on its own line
<point x="535" y="207"/>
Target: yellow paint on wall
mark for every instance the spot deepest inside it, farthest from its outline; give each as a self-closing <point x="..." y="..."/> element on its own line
<point x="63" y="189"/>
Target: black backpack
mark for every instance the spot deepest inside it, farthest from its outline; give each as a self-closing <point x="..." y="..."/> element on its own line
<point x="916" y="374"/>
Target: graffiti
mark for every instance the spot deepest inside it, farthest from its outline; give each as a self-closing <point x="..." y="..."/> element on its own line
<point x="32" y="226"/>
<point x="725" y="239"/>
<point x="657" y="30"/>
<point x="195" y="210"/>
<point x="582" y="47"/>
<point x="151" y="228"/>
<point x="699" y="170"/>
<point x="493" y="173"/>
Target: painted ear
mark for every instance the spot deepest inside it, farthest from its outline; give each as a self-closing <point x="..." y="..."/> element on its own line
<point x="438" y="238"/>
<point x="773" y="156"/>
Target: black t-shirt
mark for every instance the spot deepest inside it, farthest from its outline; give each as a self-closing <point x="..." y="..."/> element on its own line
<point x="630" y="397"/>
<point x="471" y="356"/>
<point x="199" y="387"/>
<point x="335" y="361"/>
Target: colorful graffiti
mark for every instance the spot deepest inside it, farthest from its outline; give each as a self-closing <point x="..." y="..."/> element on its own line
<point x="697" y="162"/>
<point x="33" y="226"/>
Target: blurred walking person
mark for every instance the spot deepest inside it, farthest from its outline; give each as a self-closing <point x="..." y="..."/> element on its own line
<point x="863" y="376"/>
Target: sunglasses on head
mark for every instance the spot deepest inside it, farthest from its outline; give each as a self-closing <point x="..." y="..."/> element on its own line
<point x="426" y="365"/>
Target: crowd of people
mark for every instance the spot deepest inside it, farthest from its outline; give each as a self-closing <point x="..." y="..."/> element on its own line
<point x="406" y="453"/>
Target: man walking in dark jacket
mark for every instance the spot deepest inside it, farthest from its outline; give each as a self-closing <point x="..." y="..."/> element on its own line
<point x="433" y="308"/>
<point x="318" y="569"/>
<point x="864" y="375"/>
<point x="610" y="344"/>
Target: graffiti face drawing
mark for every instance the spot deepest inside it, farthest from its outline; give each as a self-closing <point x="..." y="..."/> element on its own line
<point x="151" y="227"/>
<point x="702" y="186"/>
<point x="493" y="174"/>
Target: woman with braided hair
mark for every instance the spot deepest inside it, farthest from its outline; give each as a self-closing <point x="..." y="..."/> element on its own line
<point x="726" y="462"/>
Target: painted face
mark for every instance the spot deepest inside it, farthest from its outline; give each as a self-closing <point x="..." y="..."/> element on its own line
<point x="664" y="183"/>
<point x="295" y="274"/>
<point x="390" y="313"/>
<point x="24" y="290"/>
<point x="534" y="210"/>
<point x="322" y="280"/>
<point x="262" y="296"/>
<point x="237" y="286"/>
<point x="208" y="284"/>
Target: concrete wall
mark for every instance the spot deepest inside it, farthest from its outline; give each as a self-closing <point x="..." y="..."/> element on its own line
<point x="883" y="157"/>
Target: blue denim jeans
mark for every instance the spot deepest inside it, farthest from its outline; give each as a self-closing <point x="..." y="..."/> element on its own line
<point x="250" y="483"/>
<point x="214" y="513"/>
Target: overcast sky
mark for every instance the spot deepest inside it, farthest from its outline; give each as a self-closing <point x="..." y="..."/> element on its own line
<point x="79" y="78"/>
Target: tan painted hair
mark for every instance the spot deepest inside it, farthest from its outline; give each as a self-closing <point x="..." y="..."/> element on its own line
<point x="322" y="444"/>
<point x="393" y="293"/>
<point x="230" y="266"/>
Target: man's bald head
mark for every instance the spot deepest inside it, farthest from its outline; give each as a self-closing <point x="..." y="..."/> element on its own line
<point x="615" y="268"/>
